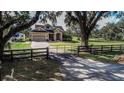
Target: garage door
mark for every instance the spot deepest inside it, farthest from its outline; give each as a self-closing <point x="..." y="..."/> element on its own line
<point x="39" y="38"/>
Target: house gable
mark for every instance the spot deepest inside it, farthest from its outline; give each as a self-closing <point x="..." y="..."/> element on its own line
<point x="58" y="30"/>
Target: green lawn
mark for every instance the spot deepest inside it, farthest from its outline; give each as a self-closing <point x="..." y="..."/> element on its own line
<point x="104" y="42"/>
<point x="20" y="45"/>
<point x="27" y="70"/>
<point x="76" y="42"/>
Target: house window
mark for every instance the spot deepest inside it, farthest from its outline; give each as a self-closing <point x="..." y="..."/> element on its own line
<point x="47" y="27"/>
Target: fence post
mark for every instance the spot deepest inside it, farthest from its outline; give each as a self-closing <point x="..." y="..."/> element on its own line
<point x="57" y="49"/>
<point x="91" y="49"/>
<point x="111" y="48"/>
<point x="11" y="55"/>
<point x="64" y="48"/>
<point x="71" y="49"/>
<point x="120" y="47"/>
<point x="78" y="50"/>
<point x="101" y="49"/>
<point x="31" y="54"/>
<point x="47" y="52"/>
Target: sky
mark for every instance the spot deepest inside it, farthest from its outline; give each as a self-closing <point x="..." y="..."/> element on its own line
<point x="104" y="21"/>
<point x="101" y="23"/>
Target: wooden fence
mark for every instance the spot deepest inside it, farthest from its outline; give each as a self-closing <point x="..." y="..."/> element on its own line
<point x="63" y="49"/>
<point x="45" y="52"/>
<point x="25" y="53"/>
<point x="95" y="49"/>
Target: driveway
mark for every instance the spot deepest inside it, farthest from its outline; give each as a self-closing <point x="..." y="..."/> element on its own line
<point x="35" y="44"/>
<point x="78" y="69"/>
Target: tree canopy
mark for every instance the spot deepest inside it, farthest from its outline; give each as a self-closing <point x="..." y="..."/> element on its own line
<point x="12" y="22"/>
<point x="112" y="31"/>
<point x="87" y="21"/>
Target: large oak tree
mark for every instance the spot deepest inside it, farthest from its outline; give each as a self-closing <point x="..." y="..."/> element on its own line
<point x="87" y="21"/>
<point x="13" y="22"/>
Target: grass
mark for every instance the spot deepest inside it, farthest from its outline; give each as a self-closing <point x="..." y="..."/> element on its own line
<point x="20" y="45"/>
<point x="104" y="42"/>
<point x="32" y="70"/>
<point x="105" y="57"/>
<point x="76" y="42"/>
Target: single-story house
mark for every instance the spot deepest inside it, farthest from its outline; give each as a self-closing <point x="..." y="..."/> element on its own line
<point x="18" y="36"/>
<point x="47" y="33"/>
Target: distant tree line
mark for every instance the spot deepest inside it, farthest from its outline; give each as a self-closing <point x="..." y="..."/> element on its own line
<point x="112" y="31"/>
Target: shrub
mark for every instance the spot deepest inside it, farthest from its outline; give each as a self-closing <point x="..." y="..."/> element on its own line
<point x="28" y="39"/>
<point x="20" y="40"/>
<point x="67" y="37"/>
<point x="8" y="45"/>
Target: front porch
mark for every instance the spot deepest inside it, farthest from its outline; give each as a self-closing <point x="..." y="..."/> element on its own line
<point x="55" y="37"/>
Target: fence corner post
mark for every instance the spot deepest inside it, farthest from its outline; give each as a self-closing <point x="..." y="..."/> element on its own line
<point x="101" y="49"/>
<point x="120" y="48"/>
<point x="78" y="50"/>
<point x="111" y="48"/>
<point x="47" y="52"/>
<point x="90" y="49"/>
<point x="31" y="54"/>
<point x="11" y="55"/>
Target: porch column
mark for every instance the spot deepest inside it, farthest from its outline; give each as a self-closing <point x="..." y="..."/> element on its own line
<point x="61" y="37"/>
<point x="54" y="36"/>
<point x="47" y="36"/>
<point x="31" y="36"/>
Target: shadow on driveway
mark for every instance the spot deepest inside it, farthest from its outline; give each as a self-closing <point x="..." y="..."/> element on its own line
<point x="78" y="69"/>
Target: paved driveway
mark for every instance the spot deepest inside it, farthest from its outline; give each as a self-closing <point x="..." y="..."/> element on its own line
<point x="35" y="44"/>
<point x="76" y="68"/>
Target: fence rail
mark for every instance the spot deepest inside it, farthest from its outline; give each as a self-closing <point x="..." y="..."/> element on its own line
<point x="95" y="49"/>
<point x="45" y="52"/>
<point x="25" y="53"/>
<point x="63" y="49"/>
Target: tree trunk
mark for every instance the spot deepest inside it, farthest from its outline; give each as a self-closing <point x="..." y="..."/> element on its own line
<point x="1" y="57"/>
<point x="85" y="39"/>
<point x="1" y="51"/>
<point x="1" y="44"/>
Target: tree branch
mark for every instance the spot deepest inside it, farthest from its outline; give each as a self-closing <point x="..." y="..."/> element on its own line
<point x="1" y="32"/>
<point x="94" y="22"/>
<point x="0" y="17"/>
<point x="82" y="16"/>
<point x="19" y="27"/>
<point x="92" y="17"/>
<point x="8" y="24"/>
<point x="84" y="19"/>
<point x="70" y="18"/>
